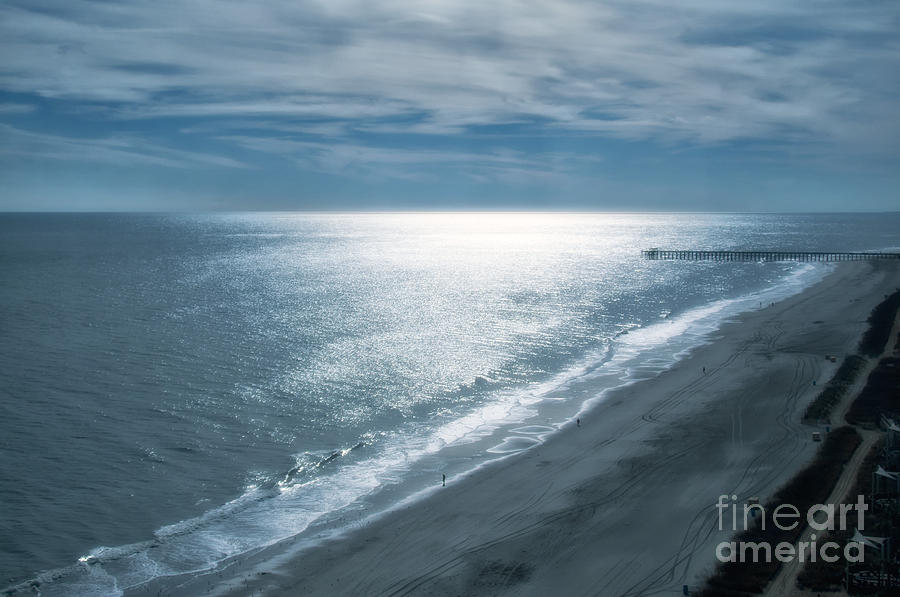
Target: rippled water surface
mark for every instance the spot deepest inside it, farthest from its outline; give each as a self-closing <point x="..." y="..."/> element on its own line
<point x="180" y="388"/>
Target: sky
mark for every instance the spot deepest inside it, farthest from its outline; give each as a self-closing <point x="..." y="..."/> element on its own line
<point x="655" y="105"/>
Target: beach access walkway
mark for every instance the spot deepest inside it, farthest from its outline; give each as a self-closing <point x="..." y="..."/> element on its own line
<point x="785" y="583"/>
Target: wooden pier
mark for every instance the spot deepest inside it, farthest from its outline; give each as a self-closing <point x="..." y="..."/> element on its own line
<point x="691" y="255"/>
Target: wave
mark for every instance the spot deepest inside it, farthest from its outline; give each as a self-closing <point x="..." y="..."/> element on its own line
<point x="336" y="489"/>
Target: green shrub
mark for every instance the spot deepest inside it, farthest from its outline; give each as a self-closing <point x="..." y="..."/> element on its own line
<point x="811" y="486"/>
<point x="835" y="389"/>
<point x="880" y="323"/>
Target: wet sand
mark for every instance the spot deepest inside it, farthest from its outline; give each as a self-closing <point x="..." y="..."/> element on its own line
<point x="623" y="504"/>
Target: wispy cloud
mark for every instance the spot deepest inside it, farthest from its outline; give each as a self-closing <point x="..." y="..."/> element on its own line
<point x="697" y="72"/>
<point x="16" y="108"/>
<point x="381" y="162"/>
<point x="15" y="142"/>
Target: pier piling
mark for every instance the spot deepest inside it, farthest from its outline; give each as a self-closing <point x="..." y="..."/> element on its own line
<point x="705" y="255"/>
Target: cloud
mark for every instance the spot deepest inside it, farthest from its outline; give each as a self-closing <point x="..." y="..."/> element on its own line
<point x="16" y="108"/>
<point x="19" y="143"/>
<point x="696" y="72"/>
<point x="381" y="162"/>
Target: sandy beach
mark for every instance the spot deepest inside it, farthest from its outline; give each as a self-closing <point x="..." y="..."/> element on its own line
<point x="623" y="504"/>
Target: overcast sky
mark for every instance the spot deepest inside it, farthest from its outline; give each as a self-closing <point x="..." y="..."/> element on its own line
<point x="555" y="104"/>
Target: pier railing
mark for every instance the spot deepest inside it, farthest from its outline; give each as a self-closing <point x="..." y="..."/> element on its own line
<point x="692" y="255"/>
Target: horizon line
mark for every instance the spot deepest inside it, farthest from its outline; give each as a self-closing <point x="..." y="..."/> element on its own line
<point x="430" y="211"/>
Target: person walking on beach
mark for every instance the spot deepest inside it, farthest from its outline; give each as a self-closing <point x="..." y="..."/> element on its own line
<point x="578" y="422"/>
<point x="443" y="480"/>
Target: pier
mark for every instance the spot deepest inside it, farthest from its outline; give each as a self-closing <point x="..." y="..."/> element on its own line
<point x="692" y="255"/>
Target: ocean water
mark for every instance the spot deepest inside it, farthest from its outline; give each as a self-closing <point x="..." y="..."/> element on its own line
<point x="179" y="389"/>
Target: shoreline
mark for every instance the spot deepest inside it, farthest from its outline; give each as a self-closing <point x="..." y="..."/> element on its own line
<point x="640" y="354"/>
<point x="623" y="503"/>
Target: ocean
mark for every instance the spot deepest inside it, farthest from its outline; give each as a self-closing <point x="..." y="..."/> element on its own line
<point x="178" y="389"/>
